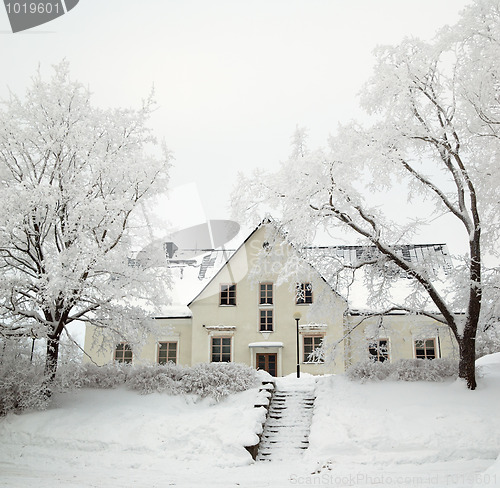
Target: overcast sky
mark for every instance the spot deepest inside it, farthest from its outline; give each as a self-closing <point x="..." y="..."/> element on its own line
<point x="232" y="78"/>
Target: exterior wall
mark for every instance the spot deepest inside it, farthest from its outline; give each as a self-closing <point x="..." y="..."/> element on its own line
<point x="241" y="322"/>
<point x="169" y="330"/>
<point x="401" y="330"/>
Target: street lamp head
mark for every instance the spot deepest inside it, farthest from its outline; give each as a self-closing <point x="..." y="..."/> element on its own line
<point x="297" y="315"/>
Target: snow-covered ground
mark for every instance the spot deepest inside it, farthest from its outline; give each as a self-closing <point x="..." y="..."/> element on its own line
<point x="372" y="434"/>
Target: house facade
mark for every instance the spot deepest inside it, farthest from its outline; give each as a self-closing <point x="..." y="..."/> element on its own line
<point x="244" y="311"/>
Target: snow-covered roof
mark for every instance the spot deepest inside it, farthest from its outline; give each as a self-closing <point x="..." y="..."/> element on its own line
<point x="435" y="255"/>
<point x="189" y="277"/>
<point x="192" y="275"/>
<point x="345" y="269"/>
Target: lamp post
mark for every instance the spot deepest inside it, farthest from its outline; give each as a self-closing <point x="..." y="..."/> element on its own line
<point x="297" y="316"/>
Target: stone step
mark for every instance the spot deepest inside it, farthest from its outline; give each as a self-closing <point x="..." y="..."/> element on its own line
<point x="288" y="424"/>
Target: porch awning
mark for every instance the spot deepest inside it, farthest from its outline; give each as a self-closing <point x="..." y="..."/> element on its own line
<point x="265" y="344"/>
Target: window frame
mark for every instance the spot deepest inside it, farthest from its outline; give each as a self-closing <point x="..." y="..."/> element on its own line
<point x="168" y="351"/>
<point x="305" y="356"/>
<point x="305" y="295"/>
<point x="424" y="347"/>
<point x="380" y="352"/>
<point x="126" y="349"/>
<point x="268" y="313"/>
<point x="221" y="345"/>
<point x="227" y="295"/>
<point x="268" y="293"/>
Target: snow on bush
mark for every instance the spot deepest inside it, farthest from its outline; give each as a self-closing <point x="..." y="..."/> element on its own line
<point x="404" y="370"/>
<point x="156" y="378"/>
<point x="368" y="370"/>
<point x="218" y="379"/>
<point x="92" y="376"/>
<point x="22" y="381"/>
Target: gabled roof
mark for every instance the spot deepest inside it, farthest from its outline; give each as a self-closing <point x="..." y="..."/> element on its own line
<point x="228" y="257"/>
<point x="192" y="279"/>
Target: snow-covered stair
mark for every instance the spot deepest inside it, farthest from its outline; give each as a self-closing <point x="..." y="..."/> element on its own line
<point x="286" y="431"/>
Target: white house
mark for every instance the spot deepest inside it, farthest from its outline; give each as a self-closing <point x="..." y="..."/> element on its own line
<point x="237" y="307"/>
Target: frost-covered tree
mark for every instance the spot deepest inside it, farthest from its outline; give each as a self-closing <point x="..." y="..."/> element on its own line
<point x="433" y="132"/>
<point x="71" y="175"/>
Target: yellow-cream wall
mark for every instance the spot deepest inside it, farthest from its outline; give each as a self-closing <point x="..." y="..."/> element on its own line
<point x="169" y="330"/>
<point x="401" y="330"/>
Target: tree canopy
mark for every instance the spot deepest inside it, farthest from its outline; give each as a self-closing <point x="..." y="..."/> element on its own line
<point x="71" y="176"/>
<point x="433" y="132"/>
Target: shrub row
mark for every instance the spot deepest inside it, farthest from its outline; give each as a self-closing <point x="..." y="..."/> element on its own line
<point x="404" y="370"/>
<point x="22" y="382"/>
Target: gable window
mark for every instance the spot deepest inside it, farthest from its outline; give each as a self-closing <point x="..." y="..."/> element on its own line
<point x="228" y="294"/>
<point x="266" y="294"/>
<point x="167" y="352"/>
<point x="123" y="353"/>
<point x="379" y="350"/>
<point x="266" y="320"/>
<point x="221" y="350"/>
<point x="311" y="344"/>
<point x="303" y="293"/>
<point x="425" y="349"/>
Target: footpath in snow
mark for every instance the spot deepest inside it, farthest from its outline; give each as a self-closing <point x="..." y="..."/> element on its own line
<point x="374" y="434"/>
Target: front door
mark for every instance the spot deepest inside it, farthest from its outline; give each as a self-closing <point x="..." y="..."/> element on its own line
<point x="268" y="362"/>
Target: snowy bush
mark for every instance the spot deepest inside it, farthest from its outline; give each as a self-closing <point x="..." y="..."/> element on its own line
<point x="108" y="376"/>
<point x="404" y="370"/>
<point x="368" y="370"/>
<point x="218" y="380"/>
<point x="22" y="384"/>
<point x="156" y="378"/>
<point x="21" y="380"/>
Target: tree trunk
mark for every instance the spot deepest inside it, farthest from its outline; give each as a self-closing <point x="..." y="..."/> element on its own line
<point x="51" y="360"/>
<point x="467" y="364"/>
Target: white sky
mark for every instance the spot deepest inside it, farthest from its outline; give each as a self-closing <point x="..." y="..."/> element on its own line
<point x="232" y="78"/>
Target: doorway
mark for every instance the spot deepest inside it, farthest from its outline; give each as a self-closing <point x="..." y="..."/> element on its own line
<point x="268" y="362"/>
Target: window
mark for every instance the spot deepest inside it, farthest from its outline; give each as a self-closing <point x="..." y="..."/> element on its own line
<point x="303" y="293"/>
<point x="379" y="350"/>
<point x="311" y="343"/>
<point x="425" y="349"/>
<point x="123" y="353"/>
<point x="228" y="294"/>
<point x="266" y="320"/>
<point x="167" y="352"/>
<point x="266" y="294"/>
<point x="221" y="350"/>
